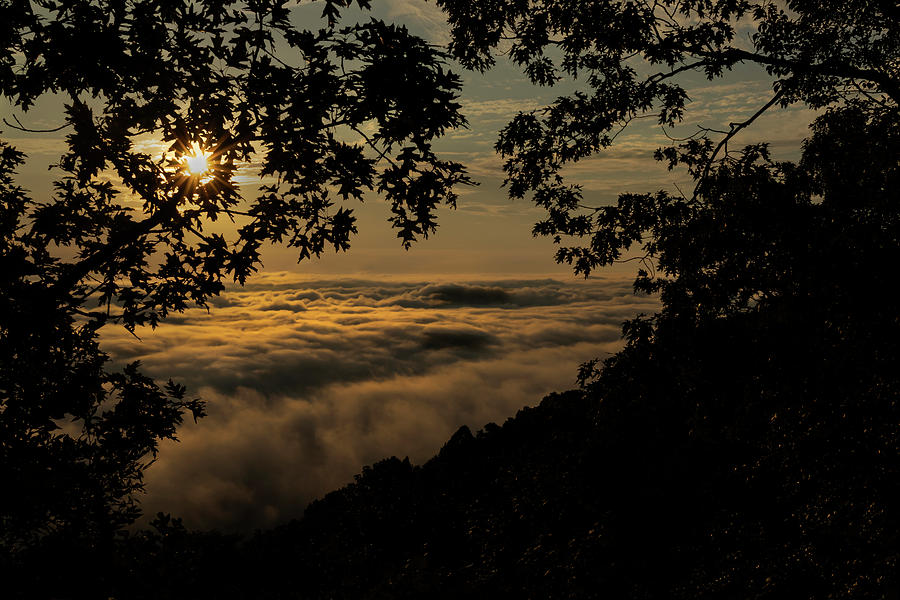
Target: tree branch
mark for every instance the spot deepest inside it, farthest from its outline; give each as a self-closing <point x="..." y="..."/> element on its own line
<point x="735" y="128"/>
<point x="883" y="80"/>
<point x="22" y="127"/>
<point x="96" y="260"/>
<point x="657" y="77"/>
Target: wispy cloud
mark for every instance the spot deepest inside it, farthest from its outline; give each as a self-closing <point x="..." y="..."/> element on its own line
<point x="424" y="15"/>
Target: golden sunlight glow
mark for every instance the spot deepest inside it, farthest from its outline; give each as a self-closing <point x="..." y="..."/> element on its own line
<point x="196" y="161"/>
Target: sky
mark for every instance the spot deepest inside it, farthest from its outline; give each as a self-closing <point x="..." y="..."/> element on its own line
<point x="313" y="370"/>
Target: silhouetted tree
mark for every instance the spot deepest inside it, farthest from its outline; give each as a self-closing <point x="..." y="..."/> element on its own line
<point x="770" y="365"/>
<point x="766" y="380"/>
<point x="324" y="115"/>
<point x="639" y="59"/>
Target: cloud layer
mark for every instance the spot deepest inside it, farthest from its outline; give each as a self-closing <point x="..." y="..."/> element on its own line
<point x="308" y="380"/>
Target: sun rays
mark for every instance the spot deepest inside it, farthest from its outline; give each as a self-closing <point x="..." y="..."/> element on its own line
<point x="197" y="161"/>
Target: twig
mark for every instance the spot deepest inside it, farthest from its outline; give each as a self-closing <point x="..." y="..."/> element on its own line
<point x="22" y="127"/>
<point x="374" y="147"/>
<point x="657" y="77"/>
<point x="735" y="128"/>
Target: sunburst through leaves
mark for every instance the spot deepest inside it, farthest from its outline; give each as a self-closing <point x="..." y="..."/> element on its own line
<point x="196" y="161"/>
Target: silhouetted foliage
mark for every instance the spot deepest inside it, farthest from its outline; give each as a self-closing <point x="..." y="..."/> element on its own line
<point x="633" y="60"/>
<point x="766" y="380"/>
<point x="323" y="115"/>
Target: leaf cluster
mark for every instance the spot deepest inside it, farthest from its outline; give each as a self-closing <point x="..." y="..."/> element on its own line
<point x="639" y="59"/>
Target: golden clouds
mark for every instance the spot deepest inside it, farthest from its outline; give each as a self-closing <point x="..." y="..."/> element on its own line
<point x="309" y="380"/>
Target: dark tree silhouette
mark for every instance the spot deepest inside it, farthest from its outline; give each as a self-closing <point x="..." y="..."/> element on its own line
<point x="639" y="59"/>
<point x="761" y="402"/>
<point x="323" y="115"/>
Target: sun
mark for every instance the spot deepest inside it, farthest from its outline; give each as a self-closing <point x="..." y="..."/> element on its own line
<point x="196" y="162"/>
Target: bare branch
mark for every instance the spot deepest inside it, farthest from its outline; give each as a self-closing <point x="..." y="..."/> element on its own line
<point x="22" y="127"/>
<point x="374" y="147"/>
<point x="657" y="77"/>
<point x="887" y="84"/>
<point x="735" y="128"/>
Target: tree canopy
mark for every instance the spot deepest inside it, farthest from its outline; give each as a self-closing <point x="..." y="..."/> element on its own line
<point x="325" y="115"/>
<point x="639" y="59"/>
<point x="761" y="399"/>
